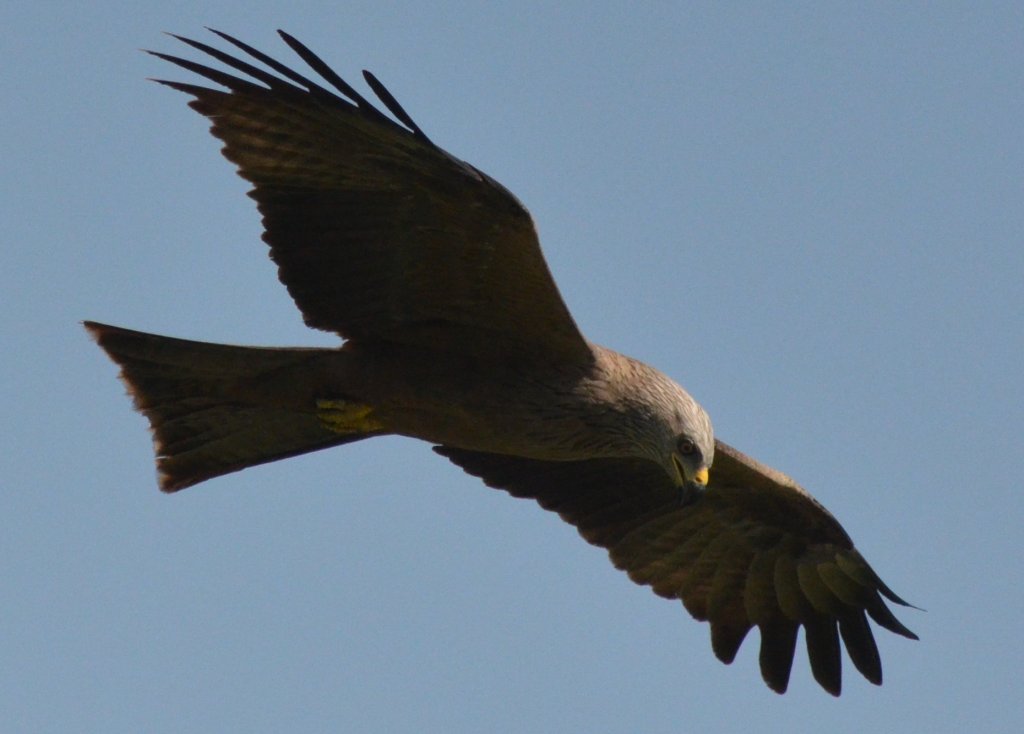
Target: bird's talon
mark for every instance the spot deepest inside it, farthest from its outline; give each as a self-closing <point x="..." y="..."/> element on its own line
<point x="346" y="417"/>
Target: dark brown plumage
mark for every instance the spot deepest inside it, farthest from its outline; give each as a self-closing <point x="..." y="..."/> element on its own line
<point x="455" y="333"/>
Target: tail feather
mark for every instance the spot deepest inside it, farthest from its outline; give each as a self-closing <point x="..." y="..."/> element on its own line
<point x="216" y="409"/>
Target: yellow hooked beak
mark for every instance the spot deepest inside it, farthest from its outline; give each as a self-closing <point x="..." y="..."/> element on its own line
<point x="699" y="477"/>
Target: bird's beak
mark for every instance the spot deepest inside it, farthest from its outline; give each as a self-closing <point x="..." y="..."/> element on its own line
<point x="691" y="484"/>
<point x="685" y="476"/>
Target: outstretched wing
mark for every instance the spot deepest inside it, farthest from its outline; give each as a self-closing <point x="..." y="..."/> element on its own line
<point x="379" y="234"/>
<point x="755" y="551"/>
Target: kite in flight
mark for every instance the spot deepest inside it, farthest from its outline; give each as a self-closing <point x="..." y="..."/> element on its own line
<point x="455" y="333"/>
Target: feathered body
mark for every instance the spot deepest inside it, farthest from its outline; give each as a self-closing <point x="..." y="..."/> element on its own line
<point x="455" y="333"/>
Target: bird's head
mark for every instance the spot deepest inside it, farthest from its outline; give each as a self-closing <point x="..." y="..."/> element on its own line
<point x="662" y="421"/>
<point x="692" y="449"/>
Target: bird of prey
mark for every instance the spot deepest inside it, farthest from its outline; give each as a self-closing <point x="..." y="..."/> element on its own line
<point x="454" y="332"/>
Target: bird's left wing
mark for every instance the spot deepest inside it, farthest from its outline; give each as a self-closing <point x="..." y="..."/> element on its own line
<point x="756" y="550"/>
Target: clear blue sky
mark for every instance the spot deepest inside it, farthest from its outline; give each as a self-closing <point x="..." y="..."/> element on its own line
<point x="809" y="215"/>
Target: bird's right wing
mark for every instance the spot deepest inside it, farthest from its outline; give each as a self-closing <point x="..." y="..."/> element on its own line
<point x="379" y="234"/>
<point x="755" y="550"/>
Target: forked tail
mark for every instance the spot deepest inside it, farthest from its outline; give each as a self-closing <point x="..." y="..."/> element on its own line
<point x="214" y="408"/>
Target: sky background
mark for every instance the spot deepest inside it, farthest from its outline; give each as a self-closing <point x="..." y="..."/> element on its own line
<point x="810" y="215"/>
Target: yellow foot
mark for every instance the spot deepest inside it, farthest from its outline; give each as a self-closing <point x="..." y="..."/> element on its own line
<point x="346" y="417"/>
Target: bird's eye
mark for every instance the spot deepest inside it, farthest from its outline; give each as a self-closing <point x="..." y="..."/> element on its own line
<point x="687" y="446"/>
